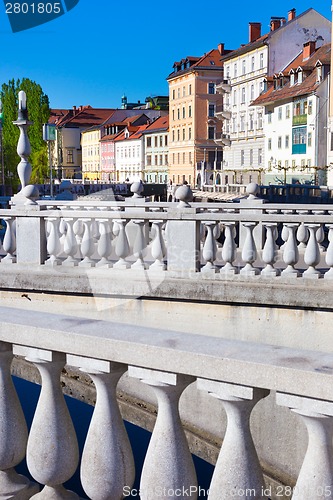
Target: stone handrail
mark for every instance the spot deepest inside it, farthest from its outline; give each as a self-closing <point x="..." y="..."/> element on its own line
<point x="239" y="374"/>
<point x="213" y="240"/>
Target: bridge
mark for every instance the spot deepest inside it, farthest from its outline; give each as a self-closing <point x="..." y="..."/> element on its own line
<point x="214" y="317"/>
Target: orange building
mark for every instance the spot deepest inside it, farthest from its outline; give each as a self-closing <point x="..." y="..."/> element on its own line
<point x="193" y="154"/>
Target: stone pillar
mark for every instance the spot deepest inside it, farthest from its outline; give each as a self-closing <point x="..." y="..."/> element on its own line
<point x="52" y="451"/>
<point x="13" y="434"/>
<point x="315" y="480"/>
<point x="107" y="465"/>
<point x="237" y="470"/>
<point x="183" y="241"/>
<point x="168" y="470"/>
<point x="30" y="238"/>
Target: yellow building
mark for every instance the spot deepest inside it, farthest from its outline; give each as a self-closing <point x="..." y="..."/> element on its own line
<point x="194" y="156"/>
<point x="91" y="158"/>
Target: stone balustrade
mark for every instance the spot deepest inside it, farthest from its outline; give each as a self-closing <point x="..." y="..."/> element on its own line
<point x="219" y="241"/>
<point x="238" y="374"/>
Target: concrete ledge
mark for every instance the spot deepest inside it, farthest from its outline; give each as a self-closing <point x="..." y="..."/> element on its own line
<point x="256" y="290"/>
<point x="293" y="371"/>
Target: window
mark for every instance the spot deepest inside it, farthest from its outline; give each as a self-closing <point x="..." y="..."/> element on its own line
<point x="173" y="94"/>
<point x="148" y="160"/>
<point x="299" y="140"/>
<point x="251" y="123"/>
<point x="183" y="91"/>
<point x="269" y="144"/>
<point x="252" y="92"/>
<point x="310" y="107"/>
<point x="148" y="142"/>
<point x="190" y="89"/>
<point x="173" y="136"/>
<point x="183" y="134"/>
<point x="183" y="158"/>
<point x="242" y="157"/>
<point x="165" y="140"/>
<point x="279" y="142"/>
<point x="178" y="113"/>
<point x="261" y="61"/>
<point x="242" y="123"/>
<point x="178" y="135"/>
<point x="243" y="67"/>
<point x="211" y="110"/>
<point x="292" y="79"/>
<point x="155" y="159"/>
<point x="70" y="157"/>
<point x="211" y="133"/>
<point x="178" y="93"/>
<point x="251" y="157"/>
<point x="235" y="70"/>
<point x="280" y="113"/>
<point x="286" y="142"/>
<point x="288" y="111"/>
<point x="252" y="63"/>
<point x="211" y="88"/>
<point x="269" y="116"/>
<point x="189" y="133"/>
<point x="309" y="139"/>
<point x="300" y="77"/>
<point x="173" y="114"/>
<point x="259" y="120"/>
<point x="184" y="112"/>
<point x="156" y="141"/>
<point x="259" y="156"/>
<point x="243" y="95"/>
<point x="161" y="159"/>
<point x="190" y="157"/>
<point x="190" y="111"/>
<point x="161" y="141"/>
<point x="234" y="97"/>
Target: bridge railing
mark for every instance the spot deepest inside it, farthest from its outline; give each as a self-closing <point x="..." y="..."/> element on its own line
<point x="222" y="240"/>
<point x="239" y="374"/>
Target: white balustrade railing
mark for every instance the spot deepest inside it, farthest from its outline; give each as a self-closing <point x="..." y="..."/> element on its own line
<point x="239" y="374"/>
<point x="248" y="239"/>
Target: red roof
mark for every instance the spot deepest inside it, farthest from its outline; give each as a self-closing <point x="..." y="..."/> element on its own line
<point x="160" y="123"/>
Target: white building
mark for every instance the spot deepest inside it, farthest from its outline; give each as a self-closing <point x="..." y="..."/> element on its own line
<point x="129" y="149"/>
<point x="156" y="151"/>
<point x="246" y="72"/>
<point x="296" y="110"/>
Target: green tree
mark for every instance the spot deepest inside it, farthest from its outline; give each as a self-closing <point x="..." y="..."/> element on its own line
<point x="38" y="113"/>
<point x="39" y="162"/>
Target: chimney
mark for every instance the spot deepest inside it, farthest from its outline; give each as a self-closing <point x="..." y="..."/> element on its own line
<point x="275" y="23"/>
<point x="254" y="31"/>
<point x="220" y="48"/>
<point x="74" y="110"/>
<point x="308" y="49"/>
<point x="291" y="14"/>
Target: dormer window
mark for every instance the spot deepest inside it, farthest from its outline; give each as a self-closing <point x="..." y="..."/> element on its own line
<point x="319" y="73"/>
<point x="292" y="79"/>
<point x="299" y="76"/>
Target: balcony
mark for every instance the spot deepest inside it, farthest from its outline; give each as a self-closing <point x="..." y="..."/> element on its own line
<point x="223" y="112"/>
<point x="300" y="119"/>
<point x="223" y="87"/>
<point x="231" y="264"/>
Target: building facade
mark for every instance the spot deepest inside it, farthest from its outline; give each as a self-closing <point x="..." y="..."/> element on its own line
<point x="296" y="111"/>
<point x="246" y="73"/>
<point x="194" y="156"/>
<point x="156" y="151"/>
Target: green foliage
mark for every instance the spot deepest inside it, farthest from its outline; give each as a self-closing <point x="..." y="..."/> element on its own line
<point x="40" y="170"/>
<point x="38" y="113"/>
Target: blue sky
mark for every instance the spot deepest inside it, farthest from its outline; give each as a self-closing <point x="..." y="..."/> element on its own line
<point x="102" y="49"/>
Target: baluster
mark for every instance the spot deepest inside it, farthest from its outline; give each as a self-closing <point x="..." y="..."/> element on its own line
<point x="70" y="244"/>
<point x="315" y="479"/>
<point x="13" y="432"/>
<point x="107" y="464"/>
<point x="9" y="241"/>
<point x="209" y="248"/>
<point x="320" y="233"/>
<point x="122" y="246"/>
<point x="312" y="254"/>
<point x="237" y="468"/>
<point x="269" y="253"/>
<point x="302" y="235"/>
<point x="87" y="245"/>
<point x="158" y="250"/>
<point x="140" y="245"/>
<point x="104" y="246"/>
<point x="290" y="252"/>
<point x="329" y="253"/>
<point x="229" y="249"/>
<point x="249" y="252"/>
<point x="53" y="241"/>
<point x="168" y="464"/>
<point x="52" y="451"/>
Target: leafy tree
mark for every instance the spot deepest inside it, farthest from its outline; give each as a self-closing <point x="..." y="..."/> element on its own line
<point x="38" y="113"/>
<point x="39" y="162"/>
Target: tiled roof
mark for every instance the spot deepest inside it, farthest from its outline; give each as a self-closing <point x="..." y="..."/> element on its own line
<point x="307" y="86"/>
<point x="89" y="117"/>
<point x="160" y="123"/>
<point x="211" y="60"/>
